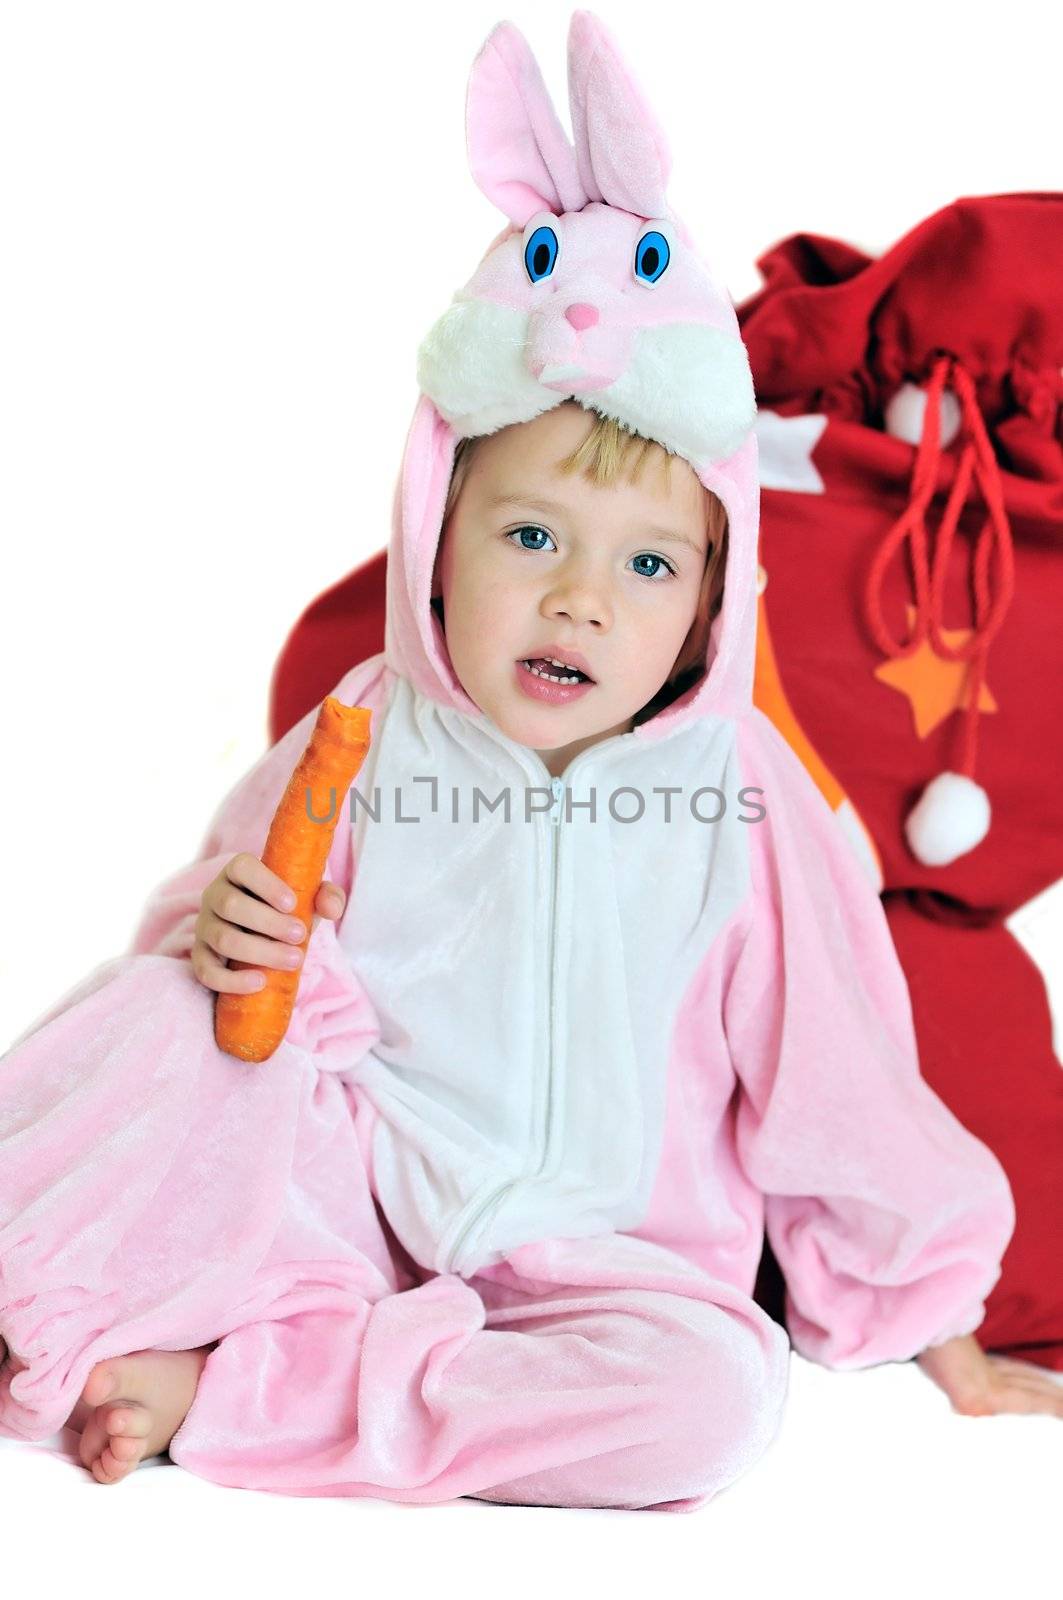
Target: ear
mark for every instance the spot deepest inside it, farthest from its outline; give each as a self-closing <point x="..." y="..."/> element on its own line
<point x="622" y="153"/>
<point x="519" y="154"/>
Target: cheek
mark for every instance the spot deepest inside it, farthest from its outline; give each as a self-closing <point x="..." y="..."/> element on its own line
<point x="672" y="631"/>
<point x="682" y="614"/>
<point x="457" y="575"/>
<point x="503" y="612"/>
<point x="694" y="639"/>
<point x="487" y="608"/>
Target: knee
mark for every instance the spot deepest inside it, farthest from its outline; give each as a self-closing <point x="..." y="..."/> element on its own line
<point x="723" y="1397"/>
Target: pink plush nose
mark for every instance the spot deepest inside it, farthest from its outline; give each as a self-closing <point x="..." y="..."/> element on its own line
<point x="582" y="316"/>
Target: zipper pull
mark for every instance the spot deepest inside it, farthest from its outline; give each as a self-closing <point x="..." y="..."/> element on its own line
<point x="558" y="790"/>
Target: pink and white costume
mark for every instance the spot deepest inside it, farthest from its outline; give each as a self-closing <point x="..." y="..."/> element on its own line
<point x="489" y="1220"/>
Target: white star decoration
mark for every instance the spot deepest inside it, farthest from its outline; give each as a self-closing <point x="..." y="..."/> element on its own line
<point x="785" y="446"/>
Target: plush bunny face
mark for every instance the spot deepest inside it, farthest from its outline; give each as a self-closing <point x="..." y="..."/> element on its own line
<point x="608" y="308"/>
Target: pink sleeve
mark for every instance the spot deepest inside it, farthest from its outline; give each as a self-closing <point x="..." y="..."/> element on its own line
<point x="887" y="1217"/>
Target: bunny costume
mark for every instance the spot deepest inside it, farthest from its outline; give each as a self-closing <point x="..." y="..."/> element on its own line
<point x="489" y="1220"/>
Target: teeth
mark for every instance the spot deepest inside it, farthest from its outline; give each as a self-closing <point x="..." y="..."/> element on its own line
<point x="549" y="676"/>
<point x="562" y="664"/>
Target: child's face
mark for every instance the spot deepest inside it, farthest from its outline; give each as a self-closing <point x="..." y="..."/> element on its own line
<point x="589" y="574"/>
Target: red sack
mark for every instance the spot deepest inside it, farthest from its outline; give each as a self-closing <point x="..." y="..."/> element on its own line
<point x="913" y="596"/>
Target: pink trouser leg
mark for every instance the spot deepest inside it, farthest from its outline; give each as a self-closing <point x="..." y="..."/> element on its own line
<point x="158" y="1194"/>
<point x="602" y="1372"/>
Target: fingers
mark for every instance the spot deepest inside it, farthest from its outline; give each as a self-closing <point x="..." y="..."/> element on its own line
<point x="1015" y="1368"/>
<point x="330" y="901"/>
<point x="1024" y="1386"/>
<point x="243" y="898"/>
<point x="235" y="943"/>
<point x="241" y="919"/>
<point x="1014" y="1387"/>
<point x="251" y="873"/>
<point x="215" y="975"/>
<point x="231" y="900"/>
<point x="1015" y="1397"/>
<point x="249" y="894"/>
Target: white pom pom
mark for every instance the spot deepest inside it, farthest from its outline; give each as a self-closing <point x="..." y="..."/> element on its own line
<point x="904" y="415"/>
<point x="950" y="817"/>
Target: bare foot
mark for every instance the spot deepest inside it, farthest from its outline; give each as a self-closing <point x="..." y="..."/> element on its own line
<point x="131" y="1407"/>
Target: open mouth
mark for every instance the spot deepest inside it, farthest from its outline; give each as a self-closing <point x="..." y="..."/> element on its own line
<point x="552" y="672"/>
<point x="550" y="684"/>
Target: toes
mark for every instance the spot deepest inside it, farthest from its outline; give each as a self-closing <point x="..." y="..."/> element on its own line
<point x="93" y="1438"/>
<point x="112" y="1441"/>
<point x="120" y="1375"/>
<point x="111" y="1468"/>
<point x="150" y="1392"/>
<point x="103" y="1471"/>
<point x="127" y="1451"/>
<point x="100" y="1385"/>
<point x="131" y="1421"/>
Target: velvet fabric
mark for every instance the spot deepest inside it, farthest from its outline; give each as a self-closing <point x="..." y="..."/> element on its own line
<point x="489" y="1220"/>
<point x="159" y="1194"/>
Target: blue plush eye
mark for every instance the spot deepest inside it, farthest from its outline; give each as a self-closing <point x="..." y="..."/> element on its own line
<point x="540" y="253"/>
<point x="652" y="254"/>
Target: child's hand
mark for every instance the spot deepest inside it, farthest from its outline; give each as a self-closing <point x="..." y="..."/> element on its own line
<point x="227" y="912"/>
<point x="981" y="1385"/>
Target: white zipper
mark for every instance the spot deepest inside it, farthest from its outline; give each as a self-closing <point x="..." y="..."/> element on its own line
<point x="555" y="843"/>
<point x="497" y="1194"/>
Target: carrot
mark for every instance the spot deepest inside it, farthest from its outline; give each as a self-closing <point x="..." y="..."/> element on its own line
<point x="251" y="1026"/>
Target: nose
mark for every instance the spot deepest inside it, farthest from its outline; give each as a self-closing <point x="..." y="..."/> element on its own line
<point x="583" y="600"/>
<point x="582" y="316"/>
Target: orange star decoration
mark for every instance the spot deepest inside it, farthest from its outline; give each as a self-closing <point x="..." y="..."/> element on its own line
<point x="935" y="687"/>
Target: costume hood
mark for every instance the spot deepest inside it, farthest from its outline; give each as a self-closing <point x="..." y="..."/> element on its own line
<point x="594" y="292"/>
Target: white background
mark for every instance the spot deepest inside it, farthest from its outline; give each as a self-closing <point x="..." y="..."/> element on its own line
<point x="226" y="228"/>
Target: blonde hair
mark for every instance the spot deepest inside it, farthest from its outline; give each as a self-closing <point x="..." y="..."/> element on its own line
<point x="609" y="452"/>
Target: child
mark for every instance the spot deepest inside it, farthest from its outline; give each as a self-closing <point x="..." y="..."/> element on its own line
<point x="607" y="992"/>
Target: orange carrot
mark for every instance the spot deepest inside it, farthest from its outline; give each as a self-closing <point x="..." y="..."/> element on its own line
<point x="251" y="1026"/>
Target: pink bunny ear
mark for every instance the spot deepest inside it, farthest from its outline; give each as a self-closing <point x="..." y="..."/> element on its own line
<point x="622" y="155"/>
<point x="518" y="151"/>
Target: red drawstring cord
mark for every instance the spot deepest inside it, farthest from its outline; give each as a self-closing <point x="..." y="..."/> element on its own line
<point x="978" y="457"/>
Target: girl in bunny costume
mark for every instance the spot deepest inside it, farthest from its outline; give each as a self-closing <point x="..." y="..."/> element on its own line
<point x="488" y="1221"/>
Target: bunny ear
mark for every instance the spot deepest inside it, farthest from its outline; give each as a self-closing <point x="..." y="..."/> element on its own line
<point x="622" y="155"/>
<point x="518" y="151"/>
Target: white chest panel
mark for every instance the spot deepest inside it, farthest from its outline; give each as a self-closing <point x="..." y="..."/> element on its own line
<point x="527" y="973"/>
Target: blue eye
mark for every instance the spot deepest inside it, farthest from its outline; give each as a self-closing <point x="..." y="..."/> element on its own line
<point x="528" y="528"/>
<point x="652" y="577"/>
<point x="652" y="254"/>
<point x="661" y="563"/>
<point x="540" y="253"/>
